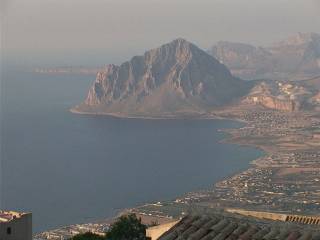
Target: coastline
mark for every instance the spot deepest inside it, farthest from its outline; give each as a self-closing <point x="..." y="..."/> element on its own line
<point x="198" y="116"/>
<point x="133" y="208"/>
<point x="230" y="133"/>
<point x="146" y="117"/>
<point x="231" y="138"/>
<point x="221" y="136"/>
<point x="208" y="116"/>
<point x="280" y="136"/>
<point x="255" y="133"/>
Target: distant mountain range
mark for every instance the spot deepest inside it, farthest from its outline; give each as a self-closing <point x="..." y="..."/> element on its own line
<point x="179" y="79"/>
<point x="175" y="79"/>
<point x="67" y="70"/>
<point x="295" y="58"/>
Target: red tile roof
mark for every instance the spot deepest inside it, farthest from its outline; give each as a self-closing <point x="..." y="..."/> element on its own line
<point x="218" y="227"/>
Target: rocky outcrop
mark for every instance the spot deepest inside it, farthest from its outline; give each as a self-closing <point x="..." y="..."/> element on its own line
<point x="298" y="55"/>
<point x="274" y="103"/>
<point x="276" y="95"/>
<point x="176" y="78"/>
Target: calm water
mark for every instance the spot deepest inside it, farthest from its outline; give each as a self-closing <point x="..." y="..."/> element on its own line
<point x="68" y="168"/>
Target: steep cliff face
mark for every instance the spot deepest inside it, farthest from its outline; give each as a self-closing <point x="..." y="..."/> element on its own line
<point x="279" y="96"/>
<point x="176" y="77"/>
<point x="298" y="55"/>
<point x="275" y="103"/>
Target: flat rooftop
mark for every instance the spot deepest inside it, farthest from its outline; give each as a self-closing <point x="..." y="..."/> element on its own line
<point x="7" y="216"/>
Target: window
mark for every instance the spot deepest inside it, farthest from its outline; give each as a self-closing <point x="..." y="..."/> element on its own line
<point x="9" y="230"/>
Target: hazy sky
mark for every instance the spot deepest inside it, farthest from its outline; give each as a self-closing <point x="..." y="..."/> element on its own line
<point x="117" y="29"/>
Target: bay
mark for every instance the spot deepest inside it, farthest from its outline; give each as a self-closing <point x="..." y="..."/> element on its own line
<point x="67" y="168"/>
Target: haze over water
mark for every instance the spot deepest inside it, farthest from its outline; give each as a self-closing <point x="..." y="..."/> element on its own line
<point x="68" y="168"/>
<point x="78" y="32"/>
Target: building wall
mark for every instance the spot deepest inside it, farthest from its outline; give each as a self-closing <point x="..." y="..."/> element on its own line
<point x="315" y="220"/>
<point x="17" y="229"/>
<point x="155" y="232"/>
<point x="262" y="215"/>
<point x="304" y="219"/>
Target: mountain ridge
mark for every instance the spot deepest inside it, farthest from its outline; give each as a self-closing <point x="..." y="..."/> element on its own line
<point x="296" y="57"/>
<point x="178" y="78"/>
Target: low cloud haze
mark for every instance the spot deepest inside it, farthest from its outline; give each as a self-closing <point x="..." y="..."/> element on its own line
<point x="317" y="2"/>
<point x="113" y="30"/>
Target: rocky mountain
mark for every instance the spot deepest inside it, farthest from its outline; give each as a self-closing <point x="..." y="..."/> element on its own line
<point x="296" y="57"/>
<point x="176" y="79"/>
<point x="243" y="60"/>
<point x="285" y="95"/>
<point x="275" y="95"/>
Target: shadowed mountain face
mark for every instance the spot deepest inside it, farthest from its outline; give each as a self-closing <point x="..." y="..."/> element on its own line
<point x="175" y="79"/>
<point x="295" y="57"/>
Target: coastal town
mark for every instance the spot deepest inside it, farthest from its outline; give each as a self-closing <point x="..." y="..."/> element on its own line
<point x="160" y="120"/>
<point x="284" y="180"/>
<point x="69" y="231"/>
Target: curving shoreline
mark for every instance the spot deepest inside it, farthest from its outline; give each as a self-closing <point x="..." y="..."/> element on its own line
<point x="288" y="151"/>
<point x="224" y="137"/>
<point x="146" y="116"/>
<point x="255" y="133"/>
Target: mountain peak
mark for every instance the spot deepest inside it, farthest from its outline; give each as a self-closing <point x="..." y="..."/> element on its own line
<point x="178" y="45"/>
<point x="295" y="56"/>
<point x="179" y="52"/>
<point x="173" y="78"/>
<point x="299" y="39"/>
<point x="180" y="41"/>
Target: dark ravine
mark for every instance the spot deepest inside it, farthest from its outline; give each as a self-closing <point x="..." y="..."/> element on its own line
<point x="177" y="79"/>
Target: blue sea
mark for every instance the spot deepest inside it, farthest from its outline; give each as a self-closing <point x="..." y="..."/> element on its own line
<point x="67" y="168"/>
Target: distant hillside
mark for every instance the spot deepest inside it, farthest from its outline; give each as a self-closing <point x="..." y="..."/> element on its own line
<point x="68" y="70"/>
<point x="176" y="79"/>
<point x="293" y="58"/>
<point x="285" y="95"/>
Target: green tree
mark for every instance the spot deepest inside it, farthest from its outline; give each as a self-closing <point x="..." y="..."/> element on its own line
<point x="88" y="236"/>
<point x="127" y="227"/>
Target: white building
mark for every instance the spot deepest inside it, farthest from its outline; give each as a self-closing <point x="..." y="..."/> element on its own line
<point x="15" y="226"/>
